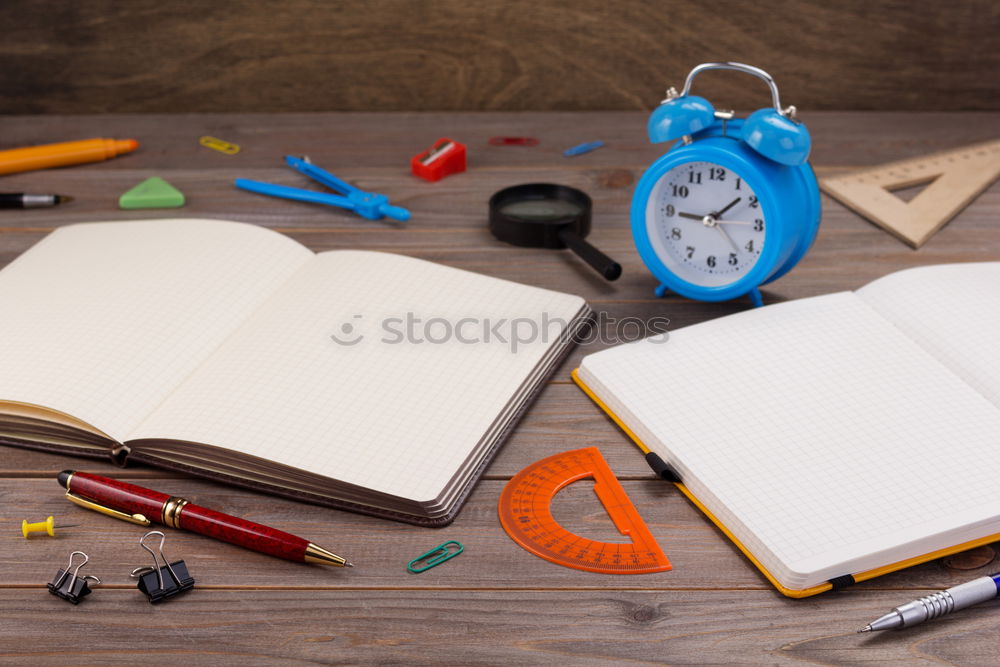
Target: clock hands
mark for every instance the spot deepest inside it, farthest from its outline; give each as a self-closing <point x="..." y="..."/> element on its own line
<point x="701" y="219"/>
<point x="728" y="238"/>
<point x="712" y="220"/>
<point x="692" y="216"/>
<point x="715" y="215"/>
<point x="727" y="207"/>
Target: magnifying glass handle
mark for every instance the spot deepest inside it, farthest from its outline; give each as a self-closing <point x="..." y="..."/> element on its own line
<point x="600" y="262"/>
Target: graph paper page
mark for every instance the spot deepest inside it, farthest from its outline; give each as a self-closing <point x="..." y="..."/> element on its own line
<point x="382" y="413"/>
<point x="103" y="320"/>
<point x="953" y="312"/>
<point x="814" y="429"/>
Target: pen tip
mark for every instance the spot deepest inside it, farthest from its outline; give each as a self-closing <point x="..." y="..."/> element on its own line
<point x="62" y="199"/>
<point x="867" y="628"/>
<point x="348" y="564"/>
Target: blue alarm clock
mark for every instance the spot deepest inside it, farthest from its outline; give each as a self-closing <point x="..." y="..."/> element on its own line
<point x="733" y="204"/>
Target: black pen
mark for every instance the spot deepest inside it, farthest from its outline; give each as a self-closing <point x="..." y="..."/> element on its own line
<point x="22" y="200"/>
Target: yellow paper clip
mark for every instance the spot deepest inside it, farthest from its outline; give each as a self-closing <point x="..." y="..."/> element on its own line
<point x="47" y="526"/>
<point x="219" y="145"/>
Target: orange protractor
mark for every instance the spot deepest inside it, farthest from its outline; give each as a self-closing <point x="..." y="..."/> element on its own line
<point x="526" y="514"/>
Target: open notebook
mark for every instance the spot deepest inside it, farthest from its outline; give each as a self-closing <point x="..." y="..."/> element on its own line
<point x="208" y="347"/>
<point x="832" y="438"/>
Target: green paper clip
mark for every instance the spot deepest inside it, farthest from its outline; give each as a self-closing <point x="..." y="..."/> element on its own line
<point x="435" y="556"/>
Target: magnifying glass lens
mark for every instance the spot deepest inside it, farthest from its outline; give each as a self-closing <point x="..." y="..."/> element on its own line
<point x="541" y="210"/>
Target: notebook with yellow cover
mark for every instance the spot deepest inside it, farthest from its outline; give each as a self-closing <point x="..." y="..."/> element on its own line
<point x="834" y="438"/>
<point x="364" y="380"/>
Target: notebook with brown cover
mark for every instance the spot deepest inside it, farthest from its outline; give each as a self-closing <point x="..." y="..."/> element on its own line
<point x="362" y="380"/>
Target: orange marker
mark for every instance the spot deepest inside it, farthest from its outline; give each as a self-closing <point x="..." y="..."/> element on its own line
<point x="64" y="154"/>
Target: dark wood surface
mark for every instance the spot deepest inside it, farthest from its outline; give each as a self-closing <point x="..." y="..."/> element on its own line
<point x="104" y="56"/>
<point x="495" y="603"/>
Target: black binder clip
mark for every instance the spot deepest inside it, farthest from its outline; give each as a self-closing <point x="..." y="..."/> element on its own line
<point x="69" y="585"/>
<point x="160" y="583"/>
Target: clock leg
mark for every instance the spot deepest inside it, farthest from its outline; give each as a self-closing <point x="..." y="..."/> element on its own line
<point x="661" y="291"/>
<point x="755" y="297"/>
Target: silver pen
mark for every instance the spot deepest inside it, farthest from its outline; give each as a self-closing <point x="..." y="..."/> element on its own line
<point x="938" y="604"/>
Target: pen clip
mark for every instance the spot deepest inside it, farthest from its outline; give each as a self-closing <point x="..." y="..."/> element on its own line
<point x="91" y="505"/>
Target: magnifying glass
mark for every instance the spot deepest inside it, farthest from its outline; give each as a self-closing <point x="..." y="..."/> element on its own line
<point x="544" y="215"/>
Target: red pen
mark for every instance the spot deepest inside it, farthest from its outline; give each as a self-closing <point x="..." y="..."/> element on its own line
<point x="134" y="504"/>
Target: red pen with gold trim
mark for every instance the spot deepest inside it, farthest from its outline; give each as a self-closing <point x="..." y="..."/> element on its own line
<point x="142" y="506"/>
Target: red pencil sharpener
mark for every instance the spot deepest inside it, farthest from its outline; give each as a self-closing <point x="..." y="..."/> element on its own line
<point x="443" y="158"/>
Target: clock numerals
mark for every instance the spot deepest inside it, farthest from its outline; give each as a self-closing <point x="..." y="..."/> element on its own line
<point x="708" y="223"/>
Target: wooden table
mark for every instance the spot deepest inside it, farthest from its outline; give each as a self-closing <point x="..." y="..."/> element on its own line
<point x="496" y="603"/>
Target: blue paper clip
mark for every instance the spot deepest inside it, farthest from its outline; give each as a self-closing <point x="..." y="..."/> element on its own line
<point x="583" y="148"/>
<point x="371" y="205"/>
<point x="435" y="556"/>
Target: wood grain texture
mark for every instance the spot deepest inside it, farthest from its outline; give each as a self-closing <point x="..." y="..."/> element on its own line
<point x="316" y="55"/>
<point x="264" y="628"/>
<point x="495" y="603"/>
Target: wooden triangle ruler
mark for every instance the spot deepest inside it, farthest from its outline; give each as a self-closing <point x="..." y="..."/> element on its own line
<point x="958" y="176"/>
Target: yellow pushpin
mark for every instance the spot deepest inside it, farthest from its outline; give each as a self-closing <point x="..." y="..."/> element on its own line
<point x="47" y="526"/>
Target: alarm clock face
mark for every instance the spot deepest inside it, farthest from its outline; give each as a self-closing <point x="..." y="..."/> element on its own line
<point x="705" y="223"/>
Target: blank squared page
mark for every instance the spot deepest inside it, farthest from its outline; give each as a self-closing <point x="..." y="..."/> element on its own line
<point x="953" y="312"/>
<point x="396" y="417"/>
<point x="814" y="429"/>
<point x="102" y="320"/>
